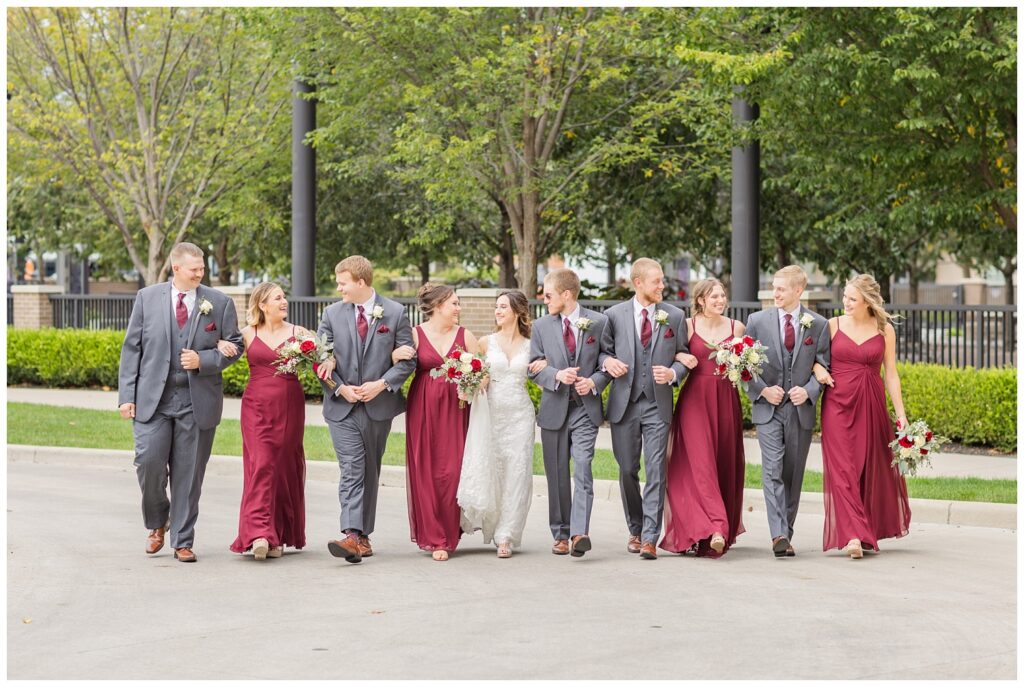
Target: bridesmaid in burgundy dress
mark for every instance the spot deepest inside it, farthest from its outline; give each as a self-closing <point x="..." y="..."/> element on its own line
<point x="706" y="467"/>
<point x="435" y="426"/>
<point x="273" y="512"/>
<point x="865" y="497"/>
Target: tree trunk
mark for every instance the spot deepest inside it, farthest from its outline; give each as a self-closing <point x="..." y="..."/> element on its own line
<point x="506" y="255"/>
<point x="424" y="268"/>
<point x="610" y="254"/>
<point x="885" y="285"/>
<point x="915" y="284"/>
<point x="527" y="270"/>
<point x="225" y="270"/>
<point x="1008" y="268"/>
<point x="782" y="254"/>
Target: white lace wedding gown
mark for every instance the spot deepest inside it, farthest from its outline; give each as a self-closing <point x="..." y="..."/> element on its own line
<point x="496" y="483"/>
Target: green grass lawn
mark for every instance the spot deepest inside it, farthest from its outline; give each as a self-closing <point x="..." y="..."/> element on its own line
<point x="57" y="426"/>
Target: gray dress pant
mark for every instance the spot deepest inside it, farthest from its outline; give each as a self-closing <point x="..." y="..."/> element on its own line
<point x="569" y="509"/>
<point x="642" y="427"/>
<point x="784" y="445"/>
<point x="359" y="443"/>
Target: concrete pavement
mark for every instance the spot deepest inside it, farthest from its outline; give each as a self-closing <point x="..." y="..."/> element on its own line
<point x="943" y="464"/>
<point x="84" y="601"/>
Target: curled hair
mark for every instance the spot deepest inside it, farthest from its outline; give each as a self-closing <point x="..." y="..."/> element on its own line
<point x="432" y="295"/>
<point x="871" y="292"/>
<point x="703" y="289"/>
<point x="521" y="307"/>
<point x="253" y="315"/>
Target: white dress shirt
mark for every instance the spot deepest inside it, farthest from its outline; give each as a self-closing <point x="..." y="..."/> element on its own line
<point x="368" y="307"/>
<point x="190" y="302"/>
<point x="638" y="315"/>
<point x="796" y="325"/>
<point x="572" y="317"/>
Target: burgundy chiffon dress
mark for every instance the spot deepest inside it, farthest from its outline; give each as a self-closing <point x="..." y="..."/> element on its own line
<point x="434" y="442"/>
<point x="706" y="465"/>
<point x="274" y="464"/>
<point x="865" y="496"/>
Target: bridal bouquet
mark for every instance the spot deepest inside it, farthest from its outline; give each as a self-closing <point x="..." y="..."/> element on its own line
<point x="739" y="359"/>
<point x="912" y="447"/>
<point x="466" y="371"/>
<point x="304" y="351"/>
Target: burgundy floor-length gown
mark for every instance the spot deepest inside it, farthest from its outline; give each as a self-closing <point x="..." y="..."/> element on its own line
<point x="274" y="464"/>
<point x="865" y="496"/>
<point x="706" y="466"/>
<point x="435" y="438"/>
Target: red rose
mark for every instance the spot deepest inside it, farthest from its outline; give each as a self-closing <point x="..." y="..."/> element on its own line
<point x="907" y="442"/>
<point x="924" y="452"/>
<point x="927" y="436"/>
<point x="452" y="373"/>
<point x="476" y="364"/>
<point x="307" y="346"/>
<point x="748" y="341"/>
<point x="721" y="369"/>
<point x="746" y="376"/>
<point x="738" y="349"/>
<point x="458" y="373"/>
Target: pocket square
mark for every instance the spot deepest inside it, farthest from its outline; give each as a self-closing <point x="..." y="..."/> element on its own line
<point x="212" y="327"/>
<point x="808" y="341"/>
<point x="591" y="340"/>
<point x="669" y="334"/>
<point x="383" y="329"/>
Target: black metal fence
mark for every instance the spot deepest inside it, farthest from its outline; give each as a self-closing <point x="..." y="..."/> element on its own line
<point x="952" y="335"/>
<point x="10" y="309"/>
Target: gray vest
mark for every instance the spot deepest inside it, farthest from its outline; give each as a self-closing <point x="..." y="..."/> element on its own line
<point x="177" y="376"/>
<point x="643" y="379"/>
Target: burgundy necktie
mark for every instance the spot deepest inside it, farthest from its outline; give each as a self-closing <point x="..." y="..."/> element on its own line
<point x="790" y="339"/>
<point x="570" y="338"/>
<point x="361" y="326"/>
<point x="645" y="329"/>
<point x="180" y="311"/>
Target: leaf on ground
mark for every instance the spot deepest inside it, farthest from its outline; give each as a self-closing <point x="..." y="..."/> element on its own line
<point x="27" y="621"/>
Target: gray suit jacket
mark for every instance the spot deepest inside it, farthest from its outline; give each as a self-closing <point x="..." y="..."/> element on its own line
<point x="358" y="362"/>
<point x="546" y="343"/>
<point x="764" y="326"/>
<point x="620" y="341"/>
<point x="146" y="353"/>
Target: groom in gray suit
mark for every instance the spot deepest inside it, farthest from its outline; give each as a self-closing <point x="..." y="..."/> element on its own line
<point x="784" y="397"/>
<point x="169" y="383"/>
<point x="570" y="406"/>
<point x="365" y="328"/>
<point x="638" y="349"/>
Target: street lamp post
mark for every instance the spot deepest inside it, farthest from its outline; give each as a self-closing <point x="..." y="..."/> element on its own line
<point x="746" y="205"/>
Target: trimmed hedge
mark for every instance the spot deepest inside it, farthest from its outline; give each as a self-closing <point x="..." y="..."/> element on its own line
<point x="967" y="405"/>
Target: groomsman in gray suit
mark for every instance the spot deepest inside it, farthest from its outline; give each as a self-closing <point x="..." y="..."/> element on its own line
<point x="638" y="349"/>
<point x="784" y="397"/>
<point x="365" y="328"/>
<point x="169" y="383"/>
<point x="569" y="339"/>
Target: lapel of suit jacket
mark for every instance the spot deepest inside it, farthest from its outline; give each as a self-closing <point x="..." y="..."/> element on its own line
<point x="348" y="321"/>
<point x="776" y="336"/>
<point x="557" y="329"/>
<point x="583" y="335"/>
<point x="195" y="317"/>
<point x="798" y="344"/>
<point x="164" y="298"/>
<point x="372" y="323"/>
<point x="656" y="333"/>
<point x="634" y="338"/>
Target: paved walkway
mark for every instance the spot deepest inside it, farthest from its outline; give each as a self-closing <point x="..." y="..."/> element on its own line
<point x="85" y="602"/>
<point x="943" y="465"/>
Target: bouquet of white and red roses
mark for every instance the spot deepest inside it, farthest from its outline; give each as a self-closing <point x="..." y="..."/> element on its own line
<point x="466" y="371"/>
<point x="739" y="359"/>
<point x="305" y="350"/>
<point x="913" y="446"/>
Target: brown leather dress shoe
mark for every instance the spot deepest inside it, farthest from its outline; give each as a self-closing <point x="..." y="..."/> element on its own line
<point x="633" y="544"/>
<point x="347" y="548"/>
<point x="790" y="551"/>
<point x="648" y="551"/>
<point x="155" y="540"/>
<point x="365" y="550"/>
<point x="579" y="546"/>
<point x="185" y="555"/>
<point x="779" y="546"/>
<point x="560" y="547"/>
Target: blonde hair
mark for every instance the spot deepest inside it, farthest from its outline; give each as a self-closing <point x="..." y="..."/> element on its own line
<point x="641" y="267"/>
<point x="432" y="295"/>
<point x="871" y="292"/>
<point x="253" y="315"/>
<point x="703" y="289"/>
<point x="564" y="279"/>
<point x="358" y="266"/>
<point x="795" y="274"/>
<point x="184" y="248"/>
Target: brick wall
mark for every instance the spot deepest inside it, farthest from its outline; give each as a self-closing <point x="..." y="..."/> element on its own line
<point x="477" y="309"/>
<point x="32" y="309"/>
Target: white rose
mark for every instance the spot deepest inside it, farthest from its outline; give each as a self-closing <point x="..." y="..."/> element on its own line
<point x="919" y="441"/>
<point x="904" y="452"/>
<point x="465" y="357"/>
<point x="465" y="368"/>
<point x="721" y="356"/>
<point x="734" y="375"/>
<point x="735" y="359"/>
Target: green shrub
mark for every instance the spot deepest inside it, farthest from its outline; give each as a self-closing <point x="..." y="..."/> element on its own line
<point x="967" y="405"/>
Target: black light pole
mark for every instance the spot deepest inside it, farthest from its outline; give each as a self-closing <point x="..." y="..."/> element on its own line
<point x="303" y="192"/>
<point x="746" y="206"/>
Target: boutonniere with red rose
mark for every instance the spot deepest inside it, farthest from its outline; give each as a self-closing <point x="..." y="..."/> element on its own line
<point x="383" y="329"/>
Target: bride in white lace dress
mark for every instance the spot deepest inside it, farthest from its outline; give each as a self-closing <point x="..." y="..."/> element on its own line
<point x="496" y="484"/>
